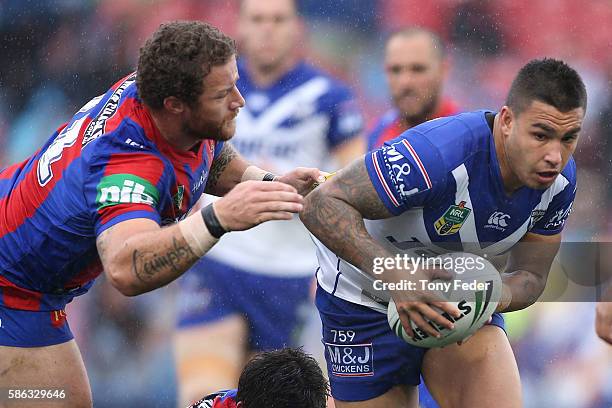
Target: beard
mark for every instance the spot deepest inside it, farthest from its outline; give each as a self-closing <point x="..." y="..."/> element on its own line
<point x="201" y="129"/>
<point x="416" y="117"/>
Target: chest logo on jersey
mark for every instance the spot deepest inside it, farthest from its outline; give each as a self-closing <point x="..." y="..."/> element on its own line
<point x="452" y="220"/>
<point x="178" y="197"/>
<point x="498" y="220"/>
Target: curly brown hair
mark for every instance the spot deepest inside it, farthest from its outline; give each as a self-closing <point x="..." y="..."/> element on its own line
<point x="177" y="58"/>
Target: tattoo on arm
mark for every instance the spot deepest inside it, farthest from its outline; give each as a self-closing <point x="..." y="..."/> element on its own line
<point x="219" y="165"/>
<point x="148" y="266"/>
<point x="334" y="213"/>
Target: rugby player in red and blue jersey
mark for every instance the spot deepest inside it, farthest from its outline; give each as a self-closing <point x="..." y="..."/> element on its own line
<point x="415" y="67"/>
<point x="111" y="190"/>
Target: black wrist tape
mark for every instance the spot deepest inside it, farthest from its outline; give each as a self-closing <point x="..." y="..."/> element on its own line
<point x="212" y="222"/>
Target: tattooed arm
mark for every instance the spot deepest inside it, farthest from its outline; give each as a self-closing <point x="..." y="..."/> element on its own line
<point x="334" y="213"/>
<point x="229" y="169"/>
<point x="139" y="256"/>
<point x="527" y="270"/>
<point x="226" y="171"/>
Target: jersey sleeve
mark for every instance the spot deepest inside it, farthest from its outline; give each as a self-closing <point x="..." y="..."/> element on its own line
<point x="124" y="185"/>
<point x="406" y="172"/>
<point x="560" y="207"/>
<point x="346" y="120"/>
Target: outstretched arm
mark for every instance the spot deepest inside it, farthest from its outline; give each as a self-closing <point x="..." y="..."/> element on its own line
<point x="229" y="169"/>
<point x="139" y="256"/>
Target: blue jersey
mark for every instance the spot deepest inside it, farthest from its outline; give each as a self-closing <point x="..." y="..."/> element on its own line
<point x="107" y="165"/>
<point x="296" y="121"/>
<point x="442" y="182"/>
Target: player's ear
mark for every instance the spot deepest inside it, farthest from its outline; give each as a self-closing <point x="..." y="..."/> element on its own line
<point x="174" y="105"/>
<point x="506" y="120"/>
<point x="239" y="405"/>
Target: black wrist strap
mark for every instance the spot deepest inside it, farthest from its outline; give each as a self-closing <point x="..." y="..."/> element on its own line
<point x="212" y="222"/>
<point x="268" y="177"/>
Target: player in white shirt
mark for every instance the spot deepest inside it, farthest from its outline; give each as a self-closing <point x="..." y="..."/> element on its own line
<point x="251" y="292"/>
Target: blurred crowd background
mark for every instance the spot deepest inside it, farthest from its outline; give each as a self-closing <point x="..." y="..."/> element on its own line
<point x="56" y="55"/>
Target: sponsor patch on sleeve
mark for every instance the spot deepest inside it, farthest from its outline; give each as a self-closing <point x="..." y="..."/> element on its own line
<point x="125" y="189"/>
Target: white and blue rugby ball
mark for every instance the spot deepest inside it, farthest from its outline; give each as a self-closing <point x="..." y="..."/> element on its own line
<point x="476" y="293"/>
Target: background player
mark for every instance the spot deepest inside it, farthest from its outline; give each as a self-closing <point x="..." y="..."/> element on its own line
<point x="252" y="291"/>
<point x="286" y="378"/>
<point x="416" y="67"/>
<point x="98" y="193"/>
<point x="510" y="179"/>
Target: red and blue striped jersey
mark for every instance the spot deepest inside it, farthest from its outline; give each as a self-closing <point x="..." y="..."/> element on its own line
<point x="221" y="399"/>
<point x="108" y="164"/>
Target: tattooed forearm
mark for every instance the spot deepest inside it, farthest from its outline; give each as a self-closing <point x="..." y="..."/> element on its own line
<point x="156" y="269"/>
<point x="526" y="288"/>
<point x="334" y="213"/>
<point x="218" y="167"/>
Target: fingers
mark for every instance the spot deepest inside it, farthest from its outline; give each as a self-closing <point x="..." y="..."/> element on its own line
<point x="435" y="316"/>
<point x="403" y="316"/>
<point x="423" y="324"/>
<point x="267" y="186"/>
<point x="273" y="206"/>
<point x="274" y="215"/>
<point x="447" y="307"/>
<point x="270" y="196"/>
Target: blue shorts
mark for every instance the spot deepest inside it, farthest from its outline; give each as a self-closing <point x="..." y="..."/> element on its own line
<point x="24" y="328"/>
<point x="364" y="357"/>
<point x="273" y="307"/>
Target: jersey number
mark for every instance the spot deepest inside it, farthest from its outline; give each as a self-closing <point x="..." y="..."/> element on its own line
<point x="65" y="139"/>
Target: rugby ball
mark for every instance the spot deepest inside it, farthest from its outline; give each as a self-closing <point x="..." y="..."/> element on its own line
<point x="475" y="289"/>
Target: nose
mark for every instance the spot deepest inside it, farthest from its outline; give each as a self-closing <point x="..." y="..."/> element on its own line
<point x="554" y="154"/>
<point x="238" y="101"/>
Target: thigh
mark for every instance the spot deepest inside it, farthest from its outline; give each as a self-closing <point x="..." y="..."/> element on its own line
<point x="57" y="367"/>
<point x="481" y="372"/>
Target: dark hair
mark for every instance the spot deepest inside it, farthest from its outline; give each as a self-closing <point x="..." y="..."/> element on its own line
<point x="412" y="31"/>
<point x="550" y="81"/>
<point x="286" y="378"/>
<point x="175" y="60"/>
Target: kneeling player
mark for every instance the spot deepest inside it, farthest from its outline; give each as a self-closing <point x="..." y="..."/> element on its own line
<point x="481" y="182"/>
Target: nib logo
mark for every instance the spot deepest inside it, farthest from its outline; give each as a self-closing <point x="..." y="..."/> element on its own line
<point x="125" y="188"/>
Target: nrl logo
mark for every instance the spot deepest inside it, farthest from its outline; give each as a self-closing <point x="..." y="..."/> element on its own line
<point x="452" y="220"/>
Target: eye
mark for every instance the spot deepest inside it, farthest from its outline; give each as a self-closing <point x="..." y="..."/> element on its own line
<point x="539" y="136"/>
<point x="395" y="69"/>
<point x="569" y="139"/>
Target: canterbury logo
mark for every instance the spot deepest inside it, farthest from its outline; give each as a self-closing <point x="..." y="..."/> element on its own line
<point x="498" y="219"/>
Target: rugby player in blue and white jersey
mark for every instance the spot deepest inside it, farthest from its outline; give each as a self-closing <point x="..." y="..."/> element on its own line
<point x="252" y="291"/>
<point x="482" y="182"/>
